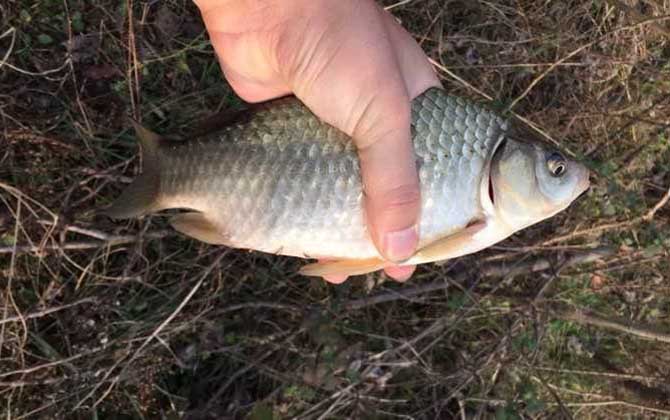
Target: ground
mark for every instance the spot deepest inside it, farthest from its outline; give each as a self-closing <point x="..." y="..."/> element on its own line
<point x="100" y="319"/>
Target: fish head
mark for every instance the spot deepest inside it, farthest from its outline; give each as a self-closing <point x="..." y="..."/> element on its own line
<point x="530" y="182"/>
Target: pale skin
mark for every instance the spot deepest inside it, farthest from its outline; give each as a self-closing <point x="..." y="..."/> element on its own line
<point x="356" y="68"/>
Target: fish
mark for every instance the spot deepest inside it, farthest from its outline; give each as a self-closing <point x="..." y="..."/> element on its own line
<point x="277" y="179"/>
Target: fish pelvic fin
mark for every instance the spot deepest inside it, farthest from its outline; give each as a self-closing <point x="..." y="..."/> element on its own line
<point x="448" y="247"/>
<point x="197" y="226"/>
<point x="343" y="267"/>
<point x="142" y="195"/>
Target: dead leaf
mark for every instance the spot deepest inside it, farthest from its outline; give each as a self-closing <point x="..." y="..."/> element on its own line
<point x="597" y="282"/>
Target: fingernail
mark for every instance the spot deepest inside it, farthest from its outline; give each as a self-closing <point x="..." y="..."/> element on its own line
<point x="400" y="273"/>
<point x="401" y="244"/>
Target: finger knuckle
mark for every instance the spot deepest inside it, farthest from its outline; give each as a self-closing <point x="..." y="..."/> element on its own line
<point x="380" y="119"/>
<point x="401" y="198"/>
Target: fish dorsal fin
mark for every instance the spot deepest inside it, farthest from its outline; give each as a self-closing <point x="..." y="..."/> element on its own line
<point x="197" y="226"/>
<point x="143" y="195"/>
<point x="222" y="120"/>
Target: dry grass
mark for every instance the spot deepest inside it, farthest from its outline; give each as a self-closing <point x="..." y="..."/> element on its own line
<point x="566" y="319"/>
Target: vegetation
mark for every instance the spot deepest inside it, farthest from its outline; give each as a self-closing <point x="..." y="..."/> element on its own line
<point x="100" y="319"/>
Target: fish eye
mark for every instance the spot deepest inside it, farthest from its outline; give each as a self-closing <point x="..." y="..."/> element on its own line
<point x="557" y="164"/>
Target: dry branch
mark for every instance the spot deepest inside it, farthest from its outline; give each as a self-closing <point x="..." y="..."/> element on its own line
<point x="648" y="216"/>
<point x="533" y="266"/>
<point x="582" y="317"/>
<point x="615" y="375"/>
<point x="43" y="312"/>
<point x="500" y="402"/>
<point x="488" y="270"/>
<point x="115" y="379"/>
<point x="111" y="240"/>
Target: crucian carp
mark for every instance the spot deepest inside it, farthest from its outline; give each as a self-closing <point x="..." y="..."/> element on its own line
<point x="279" y="180"/>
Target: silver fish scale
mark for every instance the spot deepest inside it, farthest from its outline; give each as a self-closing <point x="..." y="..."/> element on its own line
<point x="285" y="182"/>
<point x="453" y="140"/>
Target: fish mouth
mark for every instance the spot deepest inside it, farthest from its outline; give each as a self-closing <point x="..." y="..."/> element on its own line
<point x="583" y="181"/>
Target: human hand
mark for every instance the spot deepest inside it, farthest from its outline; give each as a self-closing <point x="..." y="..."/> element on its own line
<point x="357" y="69"/>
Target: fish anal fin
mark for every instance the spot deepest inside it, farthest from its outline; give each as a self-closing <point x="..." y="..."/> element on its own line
<point x="343" y="267"/>
<point x="197" y="226"/>
<point x="451" y="246"/>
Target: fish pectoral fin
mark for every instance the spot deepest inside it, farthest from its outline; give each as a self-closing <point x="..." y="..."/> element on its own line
<point x="343" y="267"/>
<point x="450" y="246"/>
<point x="197" y="226"/>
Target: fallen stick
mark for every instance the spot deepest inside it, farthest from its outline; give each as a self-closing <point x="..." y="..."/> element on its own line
<point x="111" y="240"/>
<point x="487" y="270"/>
<point x="43" y="312"/>
<point x="584" y="317"/>
<point x="647" y="217"/>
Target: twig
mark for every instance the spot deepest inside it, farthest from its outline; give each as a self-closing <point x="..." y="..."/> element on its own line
<point x="44" y="312"/>
<point x="570" y="55"/>
<point x="559" y="402"/>
<point x="488" y="270"/>
<point x="258" y="305"/>
<point x="132" y="73"/>
<point x="153" y="335"/>
<point x="9" y="31"/>
<point x="445" y="70"/>
<point x="4" y="62"/>
<point x="20" y="384"/>
<point x="31" y="414"/>
<point x="637" y="15"/>
<point x="88" y="232"/>
<point x="662" y="202"/>
<point x="582" y="317"/>
<point x="20" y="195"/>
<point x="48" y="365"/>
<point x="488" y="97"/>
<point x="459" y="79"/>
<point x="616" y="375"/>
<point x="576" y="404"/>
<point x="112" y="240"/>
<point x="548" y="70"/>
<point x="400" y="3"/>
<point x="648" y="216"/>
<point x="640" y="392"/>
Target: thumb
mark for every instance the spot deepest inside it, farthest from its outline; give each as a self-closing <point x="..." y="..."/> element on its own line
<point x="388" y="170"/>
<point x="359" y="71"/>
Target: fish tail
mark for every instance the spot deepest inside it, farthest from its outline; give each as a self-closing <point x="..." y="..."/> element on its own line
<point x="142" y="195"/>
